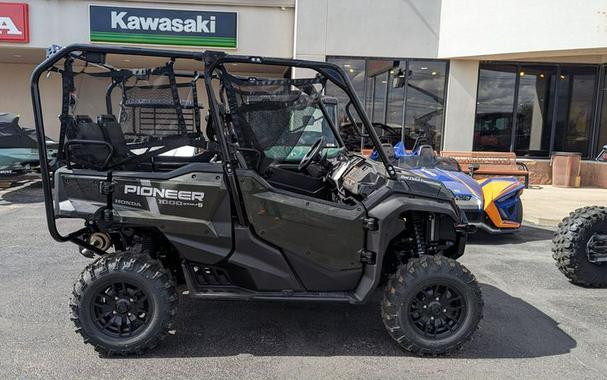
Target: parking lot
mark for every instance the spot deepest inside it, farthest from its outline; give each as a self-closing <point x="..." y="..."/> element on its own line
<point x="536" y="324"/>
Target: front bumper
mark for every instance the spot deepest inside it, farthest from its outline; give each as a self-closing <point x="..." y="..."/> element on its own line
<point x="481" y="221"/>
<point x="492" y="230"/>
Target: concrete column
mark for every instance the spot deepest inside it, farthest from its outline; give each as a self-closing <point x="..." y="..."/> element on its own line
<point x="461" y="105"/>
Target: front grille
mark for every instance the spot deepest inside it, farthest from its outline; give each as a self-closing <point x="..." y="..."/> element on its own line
<point x="473" y="216"/>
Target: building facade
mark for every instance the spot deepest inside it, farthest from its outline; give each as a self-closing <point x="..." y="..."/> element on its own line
<point x="526" y="77"/>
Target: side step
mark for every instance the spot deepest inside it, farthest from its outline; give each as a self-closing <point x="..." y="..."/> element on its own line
<point x="236" y="293"/>
<point x="208" y="282"/>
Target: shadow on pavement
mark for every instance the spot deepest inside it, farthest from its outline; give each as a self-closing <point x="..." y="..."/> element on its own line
<point x="511" y="328"/>
<point x="525" y="234"/>
<point x="29" y="193"/>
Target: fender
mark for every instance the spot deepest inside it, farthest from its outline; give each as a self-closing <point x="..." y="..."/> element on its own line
<point x="388" y="213"/>
<point x="495" y="191"/>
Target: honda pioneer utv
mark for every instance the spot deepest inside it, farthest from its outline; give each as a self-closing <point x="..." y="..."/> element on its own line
<point x="262" y="202"/>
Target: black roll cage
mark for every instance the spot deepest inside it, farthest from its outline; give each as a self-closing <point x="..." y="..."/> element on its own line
<point x="212" y="60"/>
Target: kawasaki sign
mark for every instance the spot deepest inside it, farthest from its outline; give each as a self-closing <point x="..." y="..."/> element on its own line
<point x="162" y="26"/>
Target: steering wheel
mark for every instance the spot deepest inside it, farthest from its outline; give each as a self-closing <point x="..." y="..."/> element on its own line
<point x="312" y="154"/>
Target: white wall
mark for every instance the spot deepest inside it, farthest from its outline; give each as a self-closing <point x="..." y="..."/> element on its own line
<point x="15" y="95"/>
<point x="461" y="105"/>
<point x="385" y="28"/>
<point x="490" y="27"/>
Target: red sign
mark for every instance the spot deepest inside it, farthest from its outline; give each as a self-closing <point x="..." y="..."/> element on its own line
<point x="14" y="23"/>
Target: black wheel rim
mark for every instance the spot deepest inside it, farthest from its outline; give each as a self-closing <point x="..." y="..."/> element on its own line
<point x="437" y="311"/>
<point x="121" y="309"/>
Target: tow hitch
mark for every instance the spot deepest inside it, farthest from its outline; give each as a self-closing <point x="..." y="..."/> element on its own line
<point x="468" y="228"/>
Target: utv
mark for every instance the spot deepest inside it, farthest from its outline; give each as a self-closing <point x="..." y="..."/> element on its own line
<point x="266" y="204"/>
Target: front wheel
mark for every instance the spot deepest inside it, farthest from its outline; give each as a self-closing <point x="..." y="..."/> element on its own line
<point x="124" y="303"/>
<point x="432" y="306"/>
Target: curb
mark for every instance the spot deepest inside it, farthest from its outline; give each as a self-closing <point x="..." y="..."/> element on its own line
<point x="541" y="222"/>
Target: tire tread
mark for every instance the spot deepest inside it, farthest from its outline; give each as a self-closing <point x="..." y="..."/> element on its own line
<point x="569" y="251"/>
<point x="142" y="264"/>
<point x="424" y="266"/>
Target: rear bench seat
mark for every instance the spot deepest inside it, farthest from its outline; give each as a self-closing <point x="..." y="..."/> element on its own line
<point x="101" y="145"/>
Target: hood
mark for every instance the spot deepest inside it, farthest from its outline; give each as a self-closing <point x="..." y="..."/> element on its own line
<point x="465" y="189"/>
<point x="424" y="185"/>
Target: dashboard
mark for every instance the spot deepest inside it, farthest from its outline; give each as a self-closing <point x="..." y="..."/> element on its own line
<point x="358" y="176"/>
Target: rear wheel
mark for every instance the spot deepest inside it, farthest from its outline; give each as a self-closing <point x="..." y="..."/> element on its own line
<point x="124" y="303"/>
<point x="432" y="306"/>
<point x="580" y="247"/>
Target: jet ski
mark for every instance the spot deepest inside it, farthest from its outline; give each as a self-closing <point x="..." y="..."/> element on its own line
<point x="18" y="147"/>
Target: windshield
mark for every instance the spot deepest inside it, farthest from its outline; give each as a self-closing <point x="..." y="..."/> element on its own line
<point x="280" y="119"/>
<point x="305" y="127"/>
<point x="423" y="158"/>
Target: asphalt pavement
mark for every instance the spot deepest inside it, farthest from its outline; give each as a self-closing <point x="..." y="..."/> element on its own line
<point x="536" y="325"/>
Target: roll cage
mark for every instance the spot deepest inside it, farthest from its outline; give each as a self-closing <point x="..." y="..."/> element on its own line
<point x="214" y="68"/>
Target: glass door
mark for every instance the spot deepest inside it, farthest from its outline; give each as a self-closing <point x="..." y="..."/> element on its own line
<point x="534" y="110"/>
<point x="494" y="105"/>
<point x="425" y="99"/>
<point x="576" y="87"/>
<point x="603" y="111"/>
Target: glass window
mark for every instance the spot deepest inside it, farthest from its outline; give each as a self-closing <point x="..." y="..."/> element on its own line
<point x="534" y="110"/>
<point x="494" y="105"/>
<point x="425" y="99"/>
<point x="382" y="90"/>
<point x="603" y="120"/>
<point x="397" y="97"/>
<point x="355" y="68"/>
<point x="368" y="95"/>
<point x="379" y="98"/>
<point x="574" y="109"/>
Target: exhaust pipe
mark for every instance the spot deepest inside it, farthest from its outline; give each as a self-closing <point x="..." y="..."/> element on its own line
<point x="99" y="240"/>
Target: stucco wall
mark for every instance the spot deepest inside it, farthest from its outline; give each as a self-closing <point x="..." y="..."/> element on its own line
<point x="496" y="27"/>
<point x="386" y="28"/>
<point x="15" y="95"/>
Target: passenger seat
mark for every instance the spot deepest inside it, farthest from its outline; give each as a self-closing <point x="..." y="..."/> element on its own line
<point x="113" y="134"/>
<point x="89" y="142"/>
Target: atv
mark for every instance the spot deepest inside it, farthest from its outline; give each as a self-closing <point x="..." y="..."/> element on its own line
<point x="580" y="246"/>
<point x="269" y="205"/>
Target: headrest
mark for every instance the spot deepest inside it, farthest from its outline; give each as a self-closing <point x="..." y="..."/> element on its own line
<point x="389" y="149"/>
